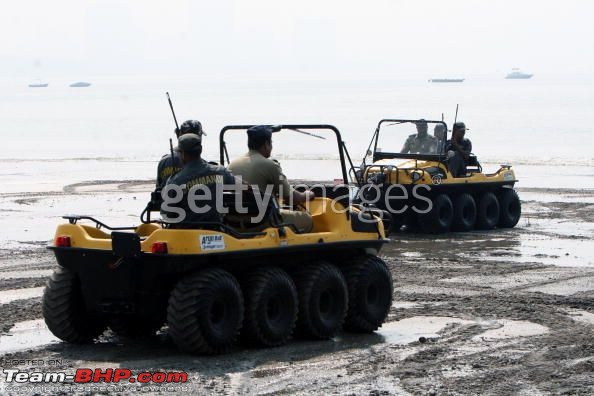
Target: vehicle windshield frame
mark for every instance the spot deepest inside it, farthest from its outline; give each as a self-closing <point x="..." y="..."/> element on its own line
<point x="380" y="155"/>
<point x="288" y="127"/>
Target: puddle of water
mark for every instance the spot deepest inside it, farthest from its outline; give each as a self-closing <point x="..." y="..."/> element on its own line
<point x="410" y="329"/>
<point x="411" y="254"/>
<point x="413" y="289"/>
<point x="404" y="304"/>
<point x="25" y="274"/>
<point x="25" y="335"/>
<point x="510" y="329"/>
<point x="557" y="197"/>
<point x="581" y="316"/>
<point x="8" y="296"/>
<point x="517" y="280"/>
<point x="566" y="287"/>
<point x="559" y="251"/>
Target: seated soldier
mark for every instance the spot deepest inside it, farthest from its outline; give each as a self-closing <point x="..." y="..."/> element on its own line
<point x="258" y="170"/>
<point x="170" y="165"/>
<point x="200" y="178"/>
<point x="458" y="149"/>
<point x="439" y="133"/>
<point x="420" y="142"/>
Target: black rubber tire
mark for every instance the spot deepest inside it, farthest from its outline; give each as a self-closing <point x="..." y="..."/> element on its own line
<point x="411" y="221"/>
<point x="487" y="212"/>
<point x="64" y="309"/>
<point x="205" y="312"/>
<point x="439" y="219"/>
<point x="510" y="208"/>
<point x="323" y="300"/>
<point x="370" y="294"/>
<point x="133" y="327"/>
<point x="271" y="306"/>
<point x="464" y="213"/>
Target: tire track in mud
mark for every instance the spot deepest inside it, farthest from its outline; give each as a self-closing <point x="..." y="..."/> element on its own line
<point x="121" y="185"/>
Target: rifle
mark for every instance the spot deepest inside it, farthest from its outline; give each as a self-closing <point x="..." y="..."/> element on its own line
<point x="176" y="132"/>
<point x="175" y="118"/>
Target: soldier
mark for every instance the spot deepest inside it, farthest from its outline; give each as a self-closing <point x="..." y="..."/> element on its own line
<point x="458" y="149"/>
<point x="168" y="166"/>
<point x="439" y="133"/>
<point x="421" y="142"/>
<point x="257" y="169"/>
<point x="200" y="175"/>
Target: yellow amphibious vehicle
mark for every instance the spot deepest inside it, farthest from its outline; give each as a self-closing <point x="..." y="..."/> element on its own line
<point x="213" y="284"/>
<point x="417" y="187"/>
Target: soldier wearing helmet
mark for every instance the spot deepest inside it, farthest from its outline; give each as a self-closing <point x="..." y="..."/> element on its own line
<point x="196" y="175"/>
<point x="458" y="149"/>
<point x="169" y="165"/>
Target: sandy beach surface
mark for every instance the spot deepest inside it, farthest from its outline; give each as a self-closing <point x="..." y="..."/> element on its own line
<point x="497" y="312"/>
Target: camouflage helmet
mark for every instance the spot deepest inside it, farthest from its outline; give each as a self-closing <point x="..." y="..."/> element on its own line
<point x="190" y="126"/>
<point x="189" y="142"/>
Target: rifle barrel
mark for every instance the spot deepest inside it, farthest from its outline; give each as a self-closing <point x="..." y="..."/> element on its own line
<point x="172" y="111"/>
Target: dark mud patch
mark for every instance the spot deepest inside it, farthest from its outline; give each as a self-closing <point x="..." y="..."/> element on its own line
<point x="12" y="284"/>
<point x="19" y="311"/>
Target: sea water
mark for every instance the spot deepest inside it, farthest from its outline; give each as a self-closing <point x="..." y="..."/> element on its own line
<point x="59" y="140"/>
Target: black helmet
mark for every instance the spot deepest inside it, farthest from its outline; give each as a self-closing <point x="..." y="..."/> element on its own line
<point x="459" y="125"/>
<point x="190" y="126"/>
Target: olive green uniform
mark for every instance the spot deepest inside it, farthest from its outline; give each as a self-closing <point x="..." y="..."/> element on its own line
<point x="168" y="167"/>
<point x="200" y="173"/>
<point x="420" y="145"/>
<point x="257" y="170"/>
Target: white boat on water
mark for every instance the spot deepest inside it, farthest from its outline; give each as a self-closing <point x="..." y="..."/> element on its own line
<point x="80" y="84"/>
<point x="516" y="74"/>
<point x="446" y="80"/>
<point x="38" y="84"/>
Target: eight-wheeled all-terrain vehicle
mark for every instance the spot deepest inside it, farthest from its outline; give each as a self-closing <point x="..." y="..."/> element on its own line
<point x="416" y="185"/>
<point x="212" y="284"/>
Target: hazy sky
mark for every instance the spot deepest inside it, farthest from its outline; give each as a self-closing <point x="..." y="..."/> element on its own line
<point x="305" y="38"/>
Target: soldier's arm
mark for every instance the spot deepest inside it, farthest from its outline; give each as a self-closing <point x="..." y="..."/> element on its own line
<point x="433" y="147"/>
<point x="406" y="147"/>
<point x="160" y="180"/>
<point x="288" y="193"/>
<point x="229" y="178"/>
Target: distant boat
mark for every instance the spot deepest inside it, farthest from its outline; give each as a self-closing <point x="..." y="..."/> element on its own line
<point x="516" y="74"/>
<point x="80" y="84"/>
<point x="38" y="85"/>
<point x="446" y="80"/>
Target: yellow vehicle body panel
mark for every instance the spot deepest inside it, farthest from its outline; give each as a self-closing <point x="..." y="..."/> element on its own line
<point x="330" y="225"/>
<point x="411" y="172"/>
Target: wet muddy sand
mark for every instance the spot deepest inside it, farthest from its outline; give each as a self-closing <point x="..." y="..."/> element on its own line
<point x="498" y="312"/>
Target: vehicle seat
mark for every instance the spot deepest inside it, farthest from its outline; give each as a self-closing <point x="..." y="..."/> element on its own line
<point x="248" y="201"/>
<point x="473" y="165"/>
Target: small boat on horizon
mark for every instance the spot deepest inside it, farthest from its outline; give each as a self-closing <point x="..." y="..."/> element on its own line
<point x="446" y="80"/>
<point x="38" y="85"/>
<point x="516" y="74"/>
<point x="80" y="84"/>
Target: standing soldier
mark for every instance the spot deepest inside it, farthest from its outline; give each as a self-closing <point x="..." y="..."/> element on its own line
<point x="169" y="165"/>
